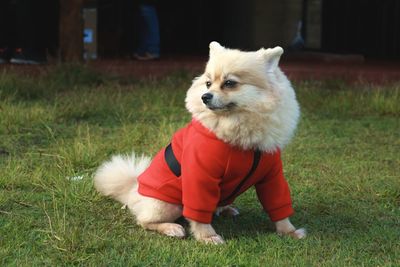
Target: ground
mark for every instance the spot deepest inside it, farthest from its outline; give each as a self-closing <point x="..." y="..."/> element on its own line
<point x="58" y="125"/>
<point x="299" y="67"/>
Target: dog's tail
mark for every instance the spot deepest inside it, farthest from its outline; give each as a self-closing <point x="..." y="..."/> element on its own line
<point x="118" y="177"/>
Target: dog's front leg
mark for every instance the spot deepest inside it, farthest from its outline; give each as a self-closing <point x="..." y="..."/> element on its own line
<point x="285" y="227"/>
<point x="205" y="233"/>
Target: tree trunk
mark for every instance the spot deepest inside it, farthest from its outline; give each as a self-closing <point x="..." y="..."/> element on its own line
<point x="71" y="30"/>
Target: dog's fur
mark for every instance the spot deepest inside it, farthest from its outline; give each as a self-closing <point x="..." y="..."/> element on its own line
<point x="257" y="109"/>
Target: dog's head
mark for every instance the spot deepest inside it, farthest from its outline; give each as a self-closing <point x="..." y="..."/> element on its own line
<point x="235" y="81"/>
<point x="244" y="98"/>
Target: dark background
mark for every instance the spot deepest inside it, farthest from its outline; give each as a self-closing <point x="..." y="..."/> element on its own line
<point x="367" y="27"/>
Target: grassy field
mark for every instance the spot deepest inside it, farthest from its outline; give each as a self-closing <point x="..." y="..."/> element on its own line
<point x="56" y="128"/>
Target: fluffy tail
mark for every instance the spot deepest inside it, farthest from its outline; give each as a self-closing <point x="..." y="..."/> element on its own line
<point x="118" y="177"/>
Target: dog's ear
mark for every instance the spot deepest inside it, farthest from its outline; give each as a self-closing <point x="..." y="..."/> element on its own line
<point x="215" y="48"/>
<point x="271" y="57"/>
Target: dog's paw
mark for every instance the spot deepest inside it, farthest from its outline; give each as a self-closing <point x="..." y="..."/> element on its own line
<point x="227" y="211"/>
<point x="300" y="233"/>
<point x="214" y="239"/>
<point x="174" y="230"/>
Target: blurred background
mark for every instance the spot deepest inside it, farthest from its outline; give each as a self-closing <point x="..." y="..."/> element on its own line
<point x="367" y="28"/>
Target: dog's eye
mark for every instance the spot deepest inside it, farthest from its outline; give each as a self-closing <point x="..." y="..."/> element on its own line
<point x="230" y="83"/>
<point x="208" y="84"/>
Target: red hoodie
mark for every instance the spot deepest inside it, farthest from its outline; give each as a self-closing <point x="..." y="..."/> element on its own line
<point x="210" y="171"/>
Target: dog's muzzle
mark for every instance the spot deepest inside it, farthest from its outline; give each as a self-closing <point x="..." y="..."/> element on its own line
<point x="208" y="101"/>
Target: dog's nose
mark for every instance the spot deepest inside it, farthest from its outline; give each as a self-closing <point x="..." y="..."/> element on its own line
<point x="206" y="98"/>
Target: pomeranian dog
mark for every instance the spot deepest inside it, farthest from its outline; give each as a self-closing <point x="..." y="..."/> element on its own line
<point x="244" y="112"/>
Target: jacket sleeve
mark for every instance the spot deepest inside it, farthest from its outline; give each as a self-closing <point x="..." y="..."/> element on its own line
<point x="273" y="192"/>
<point x="201" y="176"/>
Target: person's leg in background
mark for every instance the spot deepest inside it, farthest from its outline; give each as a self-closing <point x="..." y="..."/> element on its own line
<point x="149" y="43"/>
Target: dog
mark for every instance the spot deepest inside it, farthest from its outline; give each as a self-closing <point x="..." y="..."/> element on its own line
<point x="244" y="111"/>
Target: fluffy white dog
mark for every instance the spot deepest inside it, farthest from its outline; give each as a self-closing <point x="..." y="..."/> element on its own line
<point x="244" y="112"/>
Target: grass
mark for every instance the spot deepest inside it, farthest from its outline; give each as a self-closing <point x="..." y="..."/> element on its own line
<point x="343" y="168"/>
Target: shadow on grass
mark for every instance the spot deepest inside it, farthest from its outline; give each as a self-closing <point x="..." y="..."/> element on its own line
<point x="333" y="224"/>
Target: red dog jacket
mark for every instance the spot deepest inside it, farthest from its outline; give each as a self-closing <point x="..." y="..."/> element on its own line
<point x="211" y="171"/>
